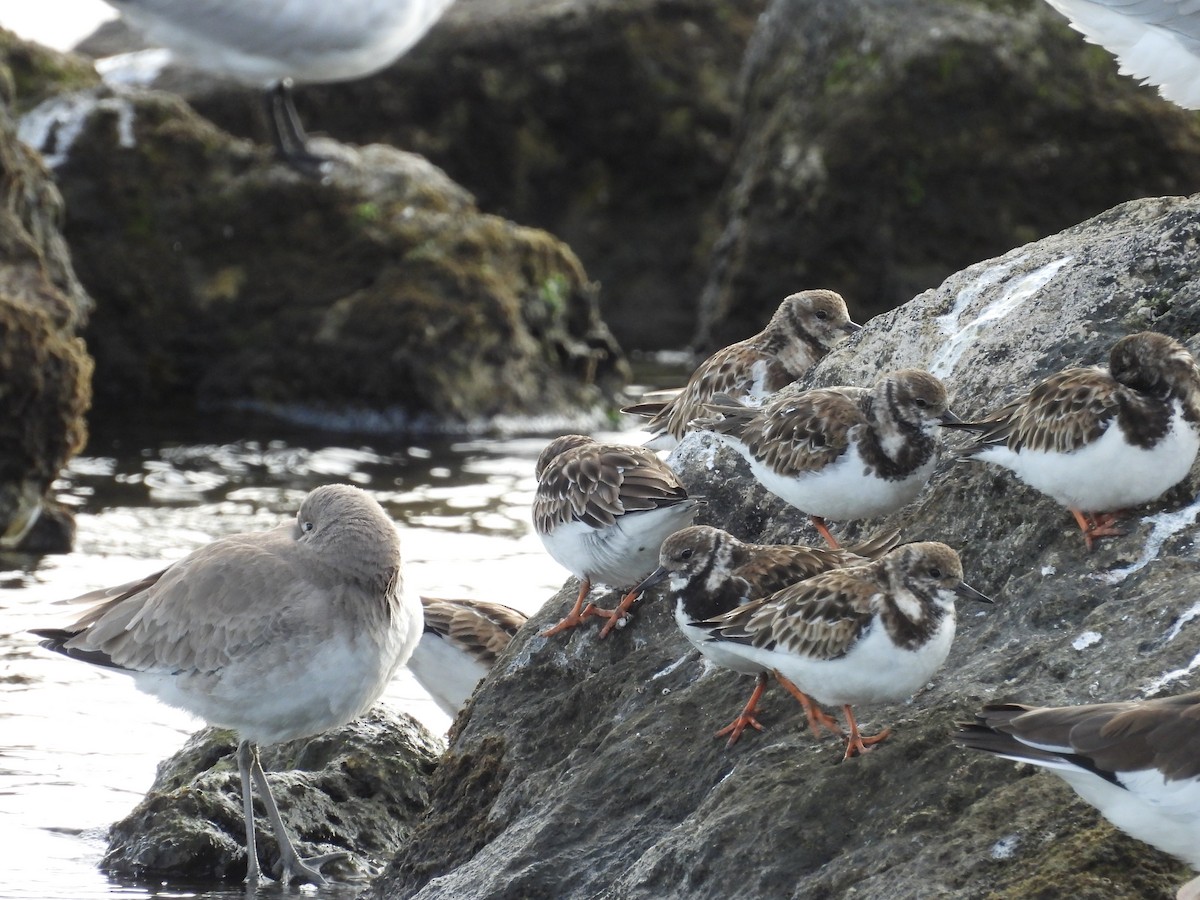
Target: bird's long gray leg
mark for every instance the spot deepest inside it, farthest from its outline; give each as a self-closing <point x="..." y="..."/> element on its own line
<point x="293" y="866"/>
<point x="287" y="132"/>
<point x="245" y="753"/>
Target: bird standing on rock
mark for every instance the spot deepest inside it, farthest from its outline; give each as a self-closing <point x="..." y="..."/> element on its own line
<point x="856" y="635"/>
<point x="272" y="43"/>
<point x="1100" y="442"/>
<point x="278" y="635"/>
<point x="803" y="330"/>
<point x="710" y="572"/>
<point x="603" y="511"/>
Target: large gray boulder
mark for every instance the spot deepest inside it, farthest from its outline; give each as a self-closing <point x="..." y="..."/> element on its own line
<point x="888" y="143"/>
<point x="587" y="768"/>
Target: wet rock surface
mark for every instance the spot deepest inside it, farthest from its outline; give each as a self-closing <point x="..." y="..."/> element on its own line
<point x="587" y="768"/>
<point x="358" y="788"/>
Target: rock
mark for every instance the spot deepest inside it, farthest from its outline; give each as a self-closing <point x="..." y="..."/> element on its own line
<point x="608" y="123"/>
<point x="358" y="788"/>
<point x="587" y="768"/>
<point x="376" y="297"/>
<point x="888" y="144"/>
<point x="44" y="367"/>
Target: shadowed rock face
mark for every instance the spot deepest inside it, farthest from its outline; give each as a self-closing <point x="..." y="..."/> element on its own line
<point x="886" y="144"/>
<point x="45" y="369"/>
<point x="377" y="296"/>
<point x="586" y="768"/>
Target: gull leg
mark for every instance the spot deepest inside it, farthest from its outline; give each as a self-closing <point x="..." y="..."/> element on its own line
<point x="244" y="753"/>
<point x="287" y="132"/>
<point x="857" y="745"/>
<point x="817" y="717"/>
<point x="293" y="866"/>
<point x="746" y="717"/>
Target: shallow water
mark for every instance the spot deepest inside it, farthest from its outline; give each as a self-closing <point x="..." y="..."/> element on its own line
<point x="78" y="746"/>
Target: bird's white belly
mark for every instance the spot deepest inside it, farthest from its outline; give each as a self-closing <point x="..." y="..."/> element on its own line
<point x="622" y="554"/>
<point x="446" y="673"/>
<point x="1107" y="474"/>
<point x="280" y="693"/>
<point x="874" y="670"/>
<point x="1161" y="813"/>
<point x="843" y="490"/>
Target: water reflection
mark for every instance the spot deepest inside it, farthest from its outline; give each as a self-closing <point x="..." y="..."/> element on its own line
<point x="78" y="746"/>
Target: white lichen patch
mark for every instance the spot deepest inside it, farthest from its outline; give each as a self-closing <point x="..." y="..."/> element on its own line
<point x="1087" y="639"/>
<point x="1165" y="525"/>
<point x="664" y="672"/>
<point x="1012" y="298"/>
<point x="52" y="127"/>
<point x="139" y="68"/>
<point x="1006" y="847"/>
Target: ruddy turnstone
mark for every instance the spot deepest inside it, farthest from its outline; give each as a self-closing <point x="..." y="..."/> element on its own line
<point x="1138" y="762"/>
<point x="804" y="328"/>
<point x="1155" y="41"/>
<point x="855" y="635"/>
<point x="841" y="452"/>
<point x="277" y="635"/>
<point x="709" y="572"/>
<point x="603" y="511"/>
<point x="271" y="43"/>
<point x="1101" y="441"/>
<point x="462" y="639"/>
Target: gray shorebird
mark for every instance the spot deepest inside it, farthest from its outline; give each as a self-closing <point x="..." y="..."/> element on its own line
<point x="603" y="511"/>
<point x="1101" y="441"/>
<point x="272" y="43"/>
<point x="277" y="635"/>
<point x="1137" y="762"/>
<point x="802" y="331"/>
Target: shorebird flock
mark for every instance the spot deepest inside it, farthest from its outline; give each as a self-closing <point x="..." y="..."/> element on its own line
<point x="287" y="633"/>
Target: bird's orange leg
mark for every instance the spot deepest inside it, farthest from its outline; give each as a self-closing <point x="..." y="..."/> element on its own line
<point x="577" y="613"/>
<point x="614" y="616"/>
<point x="745" y="718"/>
<point x="856" y="744"/>
<point x="1096" y="526"/>
<point x="823" y="530"/>
<point x="817" y="717"/>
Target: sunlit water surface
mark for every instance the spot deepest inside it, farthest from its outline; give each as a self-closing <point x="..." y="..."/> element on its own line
<point x="79" y="746"/>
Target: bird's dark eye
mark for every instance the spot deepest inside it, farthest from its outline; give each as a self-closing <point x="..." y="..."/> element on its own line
<point x="307" y="526"/>
<point x="921" y="402"/>
<point x="822" y="315"/>
<point x="686" y="554"/>
<point x="935" y="572"/>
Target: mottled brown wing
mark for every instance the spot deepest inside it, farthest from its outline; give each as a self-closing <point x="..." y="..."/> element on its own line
<point x="480" y="629"/>
<point x="596" y="483"/>
<point x="773" y="567"/>
<point x="725" y="372"/>
<point x="803" y="433"/>
<point x="1063" y="413"/>
<point x="822" y="617"/>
